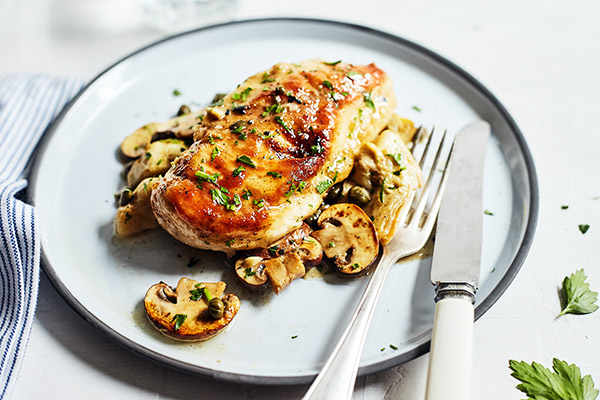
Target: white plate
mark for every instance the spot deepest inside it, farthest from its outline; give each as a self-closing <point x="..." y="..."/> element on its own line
<point x="275" y="339"/>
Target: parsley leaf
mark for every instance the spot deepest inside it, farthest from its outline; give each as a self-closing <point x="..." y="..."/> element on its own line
<point x="368" y="100"/>
<point x="576" y="295"/>
<point x="246" y="160"/>
<point x="584" y="228"/>
<point x="283" y="124"/>
<point x="243" y="95"/>
<point x="216" y="151"/>
<point x="238" y="171"/>
<point x="323" y="186"/>
<point x="176" y="92"/>
<point x="352" y="73"/>
<point x="274" y="174"/>
<point x="328" y="85"/>
<point x="565" y="383"/>
<point x="332" y="63"/>
<point x="204" y="177"/>
<point x="179" y="320"/>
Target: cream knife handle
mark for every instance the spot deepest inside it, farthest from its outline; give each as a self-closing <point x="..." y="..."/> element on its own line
<point x="451" y="353"/>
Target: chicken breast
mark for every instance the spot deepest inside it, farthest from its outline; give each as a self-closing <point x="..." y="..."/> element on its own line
<point x="263" y="160"/>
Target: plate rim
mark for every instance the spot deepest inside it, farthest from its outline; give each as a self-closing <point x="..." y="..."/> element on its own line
<point x="484" y="306"/>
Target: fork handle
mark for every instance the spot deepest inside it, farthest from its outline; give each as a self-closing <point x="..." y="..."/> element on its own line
<point x="451" y="353"/>
<point x="336" y="379"/>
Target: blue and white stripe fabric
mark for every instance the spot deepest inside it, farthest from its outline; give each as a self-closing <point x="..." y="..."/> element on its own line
<point x="27" y="106"/>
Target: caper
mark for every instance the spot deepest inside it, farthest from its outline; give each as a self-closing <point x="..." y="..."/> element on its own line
<point x="184" y="109"/>
<point x="125" y="197"/>
<point x="359" y="195"/>
<point x="312" y="219"/>
<point x="334" y="193"/>
<point x="216" y="308"/>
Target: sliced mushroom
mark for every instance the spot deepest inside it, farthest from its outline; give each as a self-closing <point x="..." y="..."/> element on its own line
<point x="283" y="270"/>
<point x="182" y="127"/>
<point x="184" y="313"/>
<point x="348" y="237"/>
<point x="284" y="261"/>
<point x="251" y="271"/>
<point x="135" y="213"/>
<point x="156" y="161"/>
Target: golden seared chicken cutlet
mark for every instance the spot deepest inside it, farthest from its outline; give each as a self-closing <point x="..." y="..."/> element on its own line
<point x="263" y="160"/>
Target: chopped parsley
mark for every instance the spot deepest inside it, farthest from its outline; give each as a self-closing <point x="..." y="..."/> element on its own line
<point x="274" y="174"/>
<point x="352" y="73"/>
<point x="316" y="149"/>
<point x="393" y="347"/>
<point x="246" y="194"/>
<point x="266" y="78"/>
<point x="179" y="320"/>
<point x="228" y="243"/>
<point x="328" y="85"/>
<point x="323" y="186"/>
<point x="488" y="212"/>
<point x="238" y="171"/>
<point x="273" y="108"/>
<point x="248" y="272"/>
<point x="564" y="207"/>
<point x="259" y="203"/>
<point x="243" y="95"/>
<point x="332" y="63"/>
<point x="331" y="244"/>
<point x="219" y="196"/>
<point x="204" y="177"/>
<point x="273" y="250"/>
<point x="216" y="151"/>
<point x="584" y="228"/>
<point x="148" y="155"/>
<point x="416" y="108"/>
<point x="369" y="101"/>
<point x="397" y="157"/>
<point x="282" y="123"/>
<point x="176" y="92"/>
<point x="355" y="266"/>
<point x="246" y="160"/>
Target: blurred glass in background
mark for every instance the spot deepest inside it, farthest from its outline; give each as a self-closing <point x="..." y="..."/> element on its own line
<point x="182" y="15"/>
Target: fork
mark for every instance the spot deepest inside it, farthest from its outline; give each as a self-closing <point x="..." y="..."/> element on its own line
<point x="336" y="379"/>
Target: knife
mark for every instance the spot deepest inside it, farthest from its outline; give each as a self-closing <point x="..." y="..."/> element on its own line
<point x="455" y="266"/>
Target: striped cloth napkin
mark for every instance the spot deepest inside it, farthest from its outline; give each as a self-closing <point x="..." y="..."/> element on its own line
<point x="27" y="106"/>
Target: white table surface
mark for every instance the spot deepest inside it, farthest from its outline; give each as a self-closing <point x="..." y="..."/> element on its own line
<point x="540" y="58"/>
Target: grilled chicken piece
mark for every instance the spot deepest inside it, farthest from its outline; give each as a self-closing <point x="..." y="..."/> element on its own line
<point x="263" y="160"/>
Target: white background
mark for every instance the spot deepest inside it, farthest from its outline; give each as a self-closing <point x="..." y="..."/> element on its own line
<point x="540" y="58"/>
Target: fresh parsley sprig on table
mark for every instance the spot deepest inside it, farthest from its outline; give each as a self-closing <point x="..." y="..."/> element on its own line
<point x="576" y="295"/>
<point x="565" y="383"/>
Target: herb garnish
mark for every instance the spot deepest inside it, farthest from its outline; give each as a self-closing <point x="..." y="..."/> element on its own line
<point x="332" y="63"/>
<point x="316" y="149"/>
<point x="179" y="320"/>
<point x="238" y="171"/>
<point x="219" y="196"/>
<point x="246" y="194"/>
<point x="176" y="92"/>
<point x="204" y="177"/>
<point x="565" y="383"/>
<point x="352" y="73"/>
<point x="274" y="174"/>
<point x="273" y="108"/>
<point x="584" y="228"/>
<point x="266" y="78"/>
<point x="246" y="160"/>
<point x="228" y="243"/>
<point x="382" y="190"/>
<point x="393" y="347"/>
<point x="488" y="212"/>
<point x="259" y="203"/>
<point x="216" y="151"/>
<point x="577" y="298"/>
<point x="564" y="207"/>
<point x="323" y="186"/>
<point x="368" y="100"/>
<point x="282" y="123"/>
<point x="328" y="85"/>
<point x="397" y="157"/>
<point x="416" y="108"/>
<point x="273" y="250"/>
<point x="243" y="95"/>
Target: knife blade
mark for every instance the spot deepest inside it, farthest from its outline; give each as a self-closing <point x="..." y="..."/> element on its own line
<point x="458" y="239"/>
<point x="455" y="266"/>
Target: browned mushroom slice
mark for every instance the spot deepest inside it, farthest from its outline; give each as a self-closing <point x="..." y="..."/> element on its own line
<point x="311" y="252"/>
<point x="251" y="271"/>
<point x="184" y="313"/>
<point x="135" y="213"/>
<point x="348" y="237"/>
<point x="156" y="161"/>
<point x="182" y="127"/>
<point x="283" y="270"/>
